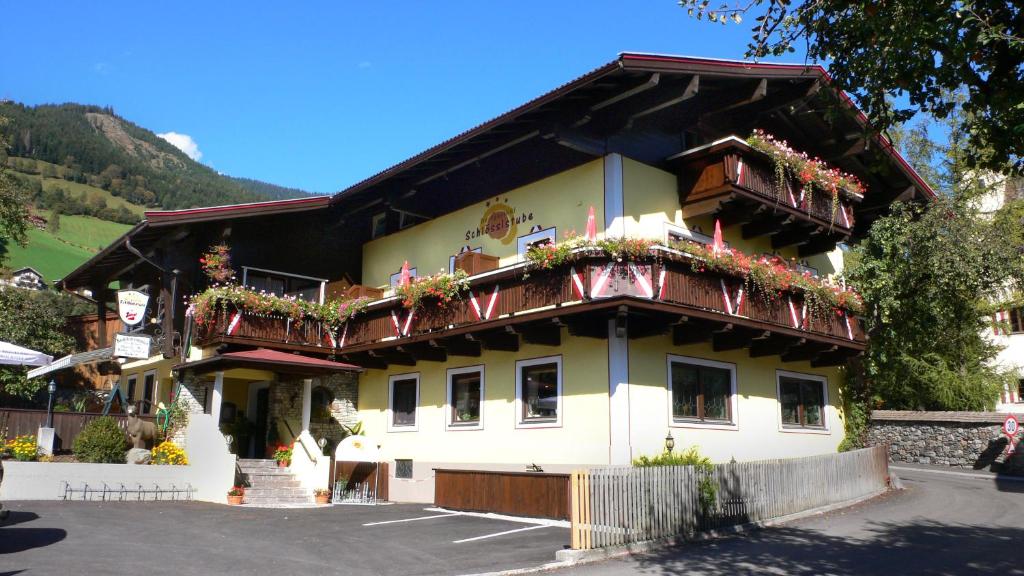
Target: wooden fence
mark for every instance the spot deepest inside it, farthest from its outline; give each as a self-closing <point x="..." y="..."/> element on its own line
<point x="66" y="425"/>
<point x="535" y="494"/>
<point x="622" y="504"/>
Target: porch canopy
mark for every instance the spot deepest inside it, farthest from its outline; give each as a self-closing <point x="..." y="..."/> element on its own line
<point x="266" y="359"/>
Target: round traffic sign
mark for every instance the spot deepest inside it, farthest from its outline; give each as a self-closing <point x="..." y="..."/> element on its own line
<point x="1010" y="425"/>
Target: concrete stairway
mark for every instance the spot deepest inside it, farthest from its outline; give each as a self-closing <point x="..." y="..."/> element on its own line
<point x="269" y="485"/>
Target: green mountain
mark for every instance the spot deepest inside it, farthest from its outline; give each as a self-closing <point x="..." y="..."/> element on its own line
<point x="99" y="172"/>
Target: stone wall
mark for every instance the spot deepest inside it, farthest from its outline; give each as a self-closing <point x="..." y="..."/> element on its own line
<point x="286" y="406"/>
<point x="960" y="439"/>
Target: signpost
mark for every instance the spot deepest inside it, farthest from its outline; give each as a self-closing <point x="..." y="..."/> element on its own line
<point x="1010" y="428"/>
<point x="126" y="346"/>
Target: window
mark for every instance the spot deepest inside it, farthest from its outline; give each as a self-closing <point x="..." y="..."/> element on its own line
<point x="802" y="399"/>
<point x="379" y="225"/>
<point x="284" y="284"/>
<point x="320" y="404"/>
<point x="1017" y="321"/>
<point x="149" y="389"/>
<point x="539" y="392"/>
<point x="536" y="238"/>
<point x="398" y="276"/>
<point x="130" y="387"/>
<point x="675" y="233"/>
<point x="701" y="391"/>
<point x="403" y="469"/>
<point x="1020" y="390"/>
<point x="465" y="398"/>
<point x="403" y="399"/>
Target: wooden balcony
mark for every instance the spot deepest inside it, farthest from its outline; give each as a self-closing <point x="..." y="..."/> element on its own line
<point x="508" y="306"/>
<point x="737" y="185"/>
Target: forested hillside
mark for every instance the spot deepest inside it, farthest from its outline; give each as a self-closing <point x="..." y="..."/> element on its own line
<point x="271" y="191"/>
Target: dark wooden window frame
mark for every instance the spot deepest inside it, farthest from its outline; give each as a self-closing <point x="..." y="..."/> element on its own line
<point x="801" y="406"/>
<point x="1016" y="318"/>
<point x="700" y="419"/>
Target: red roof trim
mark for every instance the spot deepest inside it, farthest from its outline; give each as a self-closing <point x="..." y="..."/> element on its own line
<point x="313" y="201"/>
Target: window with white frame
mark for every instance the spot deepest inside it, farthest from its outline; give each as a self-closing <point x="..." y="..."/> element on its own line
<point x="149" y="389"/>
<point x="675" y="234"/>
<point x="701" y="391"/>
<point x="129" y="387"/>
<point x="802" y="400"/>
<point x="539" y="392"/>
<point x="535" y="238"/>
<point x="465" y="398"/>
<point x="379" y="225"/>
<point x="403" y="402"/>
<point x="398" y="276"/>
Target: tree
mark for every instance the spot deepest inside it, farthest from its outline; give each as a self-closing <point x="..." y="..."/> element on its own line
<point x="13" y="207"/>
<point x="922" y="51"/>
<point x="53" y="225"/>
<point x="34" y="320"/>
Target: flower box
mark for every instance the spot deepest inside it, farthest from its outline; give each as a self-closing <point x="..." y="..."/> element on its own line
<point x="476" y="263"/>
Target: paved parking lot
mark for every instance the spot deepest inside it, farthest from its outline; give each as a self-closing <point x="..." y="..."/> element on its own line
<point x="198" y="538"/>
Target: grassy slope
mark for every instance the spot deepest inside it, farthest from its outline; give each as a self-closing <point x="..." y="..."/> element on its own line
<point x="83" y="236"/>
<point x="77" y="188"/>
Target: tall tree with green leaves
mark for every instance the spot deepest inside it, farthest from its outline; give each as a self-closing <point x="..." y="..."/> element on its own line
<point x="34" y="320"/>
<point x="13" y="207"/>
<point x="901" y="57"/>
<point x="929" y="275"/>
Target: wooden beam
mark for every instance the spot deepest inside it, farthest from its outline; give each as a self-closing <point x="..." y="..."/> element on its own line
<point x="822" y="244"/>
<point x="691" y="332"/>
<point x="393" y="357"/>
<point x="501" y="339"/>
<point x="691" y="90"/>
<point x="734" y="339"/>
<point x="463" y="345"/>
<point x="364" y="360"/>
<point x="424" y="351"/>
<point x="762" y="227"/>
<point x="795" y="235"/>
<point x="806" y="352"/>
<point x="542" y="333"/>
<point x="837" y="358"/>
<point x="588" y="326"/>
<point x="774" y="344"/>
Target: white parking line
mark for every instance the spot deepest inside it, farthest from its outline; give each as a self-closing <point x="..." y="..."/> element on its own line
<point x="498" y="534"/>
<point x="493" y="516"/>
<point x="412" y="519"/>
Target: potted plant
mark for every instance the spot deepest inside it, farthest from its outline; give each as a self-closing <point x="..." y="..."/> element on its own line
<point x="322" y="495"/>
<point x="235" y="495"/>
<point x="283" y="455"/>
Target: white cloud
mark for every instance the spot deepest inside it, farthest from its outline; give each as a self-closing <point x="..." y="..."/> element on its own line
<point x="185" y="143"/>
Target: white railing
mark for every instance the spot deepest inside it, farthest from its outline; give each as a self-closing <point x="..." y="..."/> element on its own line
<point x="619" y="505"/>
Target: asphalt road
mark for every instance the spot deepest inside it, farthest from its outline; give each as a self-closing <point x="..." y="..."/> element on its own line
<point x="940" y="524"/>
<point x="181" y="539"/>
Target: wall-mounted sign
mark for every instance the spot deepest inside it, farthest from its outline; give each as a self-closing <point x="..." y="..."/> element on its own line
<point x="131" y="306"/>
<point x="499" y="221"/>
<point x="126" y="346"/>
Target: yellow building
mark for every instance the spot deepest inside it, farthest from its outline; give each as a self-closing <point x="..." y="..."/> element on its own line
<point x="626" y="335"/>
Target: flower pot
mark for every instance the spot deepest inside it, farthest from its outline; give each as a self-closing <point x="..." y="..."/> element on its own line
<point x="282" y="463"/>
<point x="323" y="498"/>
<point x="235" y="500"/>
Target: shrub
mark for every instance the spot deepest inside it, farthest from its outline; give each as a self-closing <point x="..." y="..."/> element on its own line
<point x="169" y="453"/>
<point x="101" y="441"/>
<point x="706" y="488"/>
<point x="23" y="448"/>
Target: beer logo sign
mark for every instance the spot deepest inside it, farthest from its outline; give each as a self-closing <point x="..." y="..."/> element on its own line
<point x="499" y="221"/>
<point x="131" y="306"/>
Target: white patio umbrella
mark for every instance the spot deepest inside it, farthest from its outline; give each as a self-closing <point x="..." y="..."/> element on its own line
<point x="14" y="355"/>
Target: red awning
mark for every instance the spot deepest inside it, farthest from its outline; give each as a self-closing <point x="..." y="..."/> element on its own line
<point x="266" y="359"/>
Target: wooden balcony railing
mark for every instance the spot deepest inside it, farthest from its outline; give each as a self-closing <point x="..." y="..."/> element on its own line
<point x="729" y="179"/>
<point x="509" y="295"/>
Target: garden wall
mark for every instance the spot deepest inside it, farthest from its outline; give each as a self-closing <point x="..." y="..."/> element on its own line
<point x="210" y="473"/>
<point x="961" y="439"/>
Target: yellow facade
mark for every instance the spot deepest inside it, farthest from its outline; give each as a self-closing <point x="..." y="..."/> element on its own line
<point x="561" y="201"/>
<point x="157" y="365"/>
<point x="581" y="438"/>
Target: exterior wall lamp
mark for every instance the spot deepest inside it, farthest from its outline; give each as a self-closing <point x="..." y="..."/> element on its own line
<point x="670" y="442"/>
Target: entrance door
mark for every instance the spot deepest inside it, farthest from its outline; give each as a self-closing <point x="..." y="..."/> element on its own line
<point x="262" y="412"/>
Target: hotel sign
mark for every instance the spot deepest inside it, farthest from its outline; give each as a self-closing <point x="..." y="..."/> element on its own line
<point x="126" y="346"/>
<point x="500" y="221"/>
<point x="131" y="306"/>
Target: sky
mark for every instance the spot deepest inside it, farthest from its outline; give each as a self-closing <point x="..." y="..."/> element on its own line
<point x="322" y="95"/>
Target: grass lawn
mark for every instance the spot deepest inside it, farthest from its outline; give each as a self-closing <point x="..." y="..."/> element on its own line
<point x="83" y="236"/>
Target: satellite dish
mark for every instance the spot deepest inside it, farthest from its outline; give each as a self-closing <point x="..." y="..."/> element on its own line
<point x="357" y="449"/>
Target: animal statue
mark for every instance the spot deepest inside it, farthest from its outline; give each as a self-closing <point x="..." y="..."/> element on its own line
<point x="140" y="431"/>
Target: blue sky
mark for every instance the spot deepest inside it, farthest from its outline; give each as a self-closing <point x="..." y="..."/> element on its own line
<point x="321" y="95"/>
